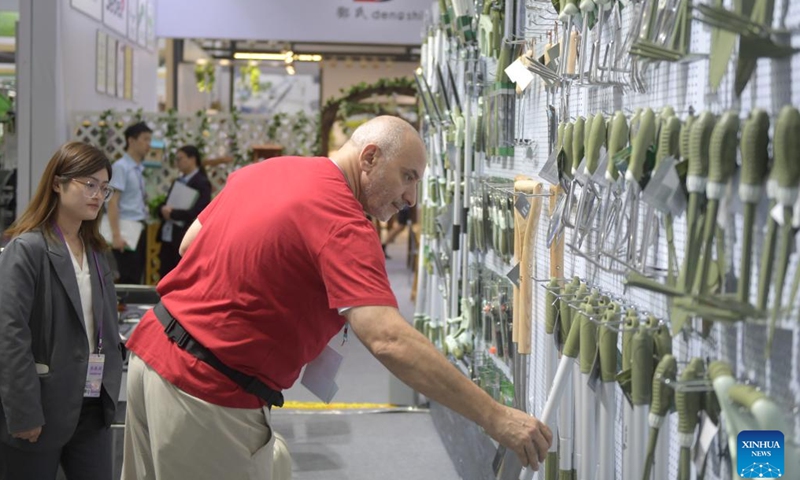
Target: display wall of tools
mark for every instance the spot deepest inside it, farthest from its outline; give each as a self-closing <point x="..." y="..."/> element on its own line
<point x="639" y="157"/>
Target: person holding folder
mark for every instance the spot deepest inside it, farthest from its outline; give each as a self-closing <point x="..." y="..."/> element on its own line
<point x="188" y="196"/>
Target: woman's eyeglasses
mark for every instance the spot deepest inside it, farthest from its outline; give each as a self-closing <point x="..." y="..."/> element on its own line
<point x="92" y="188"/>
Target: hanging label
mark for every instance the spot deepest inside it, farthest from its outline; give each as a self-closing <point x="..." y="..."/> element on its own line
<point x="599" y="175"/>
<point x="523" y="205"/>
<point x="513" y="275"/>
<point x="518" y="73"/>
<point x="94" y="375"/>
<point x="549" y="171"/>
<point x="319" y="376"/>
<point x="708" y="431"/>
<point x="664" y="191"/>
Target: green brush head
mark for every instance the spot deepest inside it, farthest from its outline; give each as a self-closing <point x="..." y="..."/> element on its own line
<point x="667" y="369"/>
<point x="642" y="364"/>
<point x="596" y="138"/>
<point x="645" y="137"/>
<point x="577" y="142"/>
<point x="754" y="144"/>
<point x="688" y="403"/>
<point x="686" y="133"/>
<point x="722" y="150"/>
<point x="786" y="146"/>
<point x="699" y="143"/>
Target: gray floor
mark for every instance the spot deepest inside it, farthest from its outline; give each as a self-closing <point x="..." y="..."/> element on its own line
<point x="355" y="445"/>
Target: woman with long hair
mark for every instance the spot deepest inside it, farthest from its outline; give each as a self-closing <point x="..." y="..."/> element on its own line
<point x="177" y="221"/>
<point x="60" y="356"/>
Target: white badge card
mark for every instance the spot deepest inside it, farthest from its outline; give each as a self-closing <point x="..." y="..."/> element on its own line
<point x="94" y="375"/>
<point x="320" y="374"/>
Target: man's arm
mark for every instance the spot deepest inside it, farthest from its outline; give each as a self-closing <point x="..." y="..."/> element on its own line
<point x="117" y="243"/>
<point x="415" y="361"/>
<point x="189" y="237"/>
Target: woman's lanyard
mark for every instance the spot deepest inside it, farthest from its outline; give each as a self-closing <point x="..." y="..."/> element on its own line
<point x="97" y="321"/>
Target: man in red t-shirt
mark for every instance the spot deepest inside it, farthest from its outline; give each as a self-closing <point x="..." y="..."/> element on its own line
<point x="273" y="268"/>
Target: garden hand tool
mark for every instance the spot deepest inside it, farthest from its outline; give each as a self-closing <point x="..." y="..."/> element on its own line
<point x="669" y="145"/>
<point x="765" y="272"/>
<point x="528" y="263"/>
<point x="588" y="408"/>
<point x="687" y="403"/>
<point x="617" y="140"/>
<point x="786" y="146"/>
<point x="755" y="163"/>
<point x="641" y="389"/>
<point x="659" y="408"/>
<point x="587" y="211"/>
<point x="722" y="380"/>
<point x="629" y="328"/>
<point x="607" y="394"/>
<point x="569" y="8"/>
<point x="588" y="9"/>
<point x="551" y="363"/>
<point x="722" y="44"/>
<point x="699" y="143"/>
<point x="722" y="164"/>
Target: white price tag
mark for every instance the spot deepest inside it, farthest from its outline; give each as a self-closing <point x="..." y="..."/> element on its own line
<point x="518" y="73"/>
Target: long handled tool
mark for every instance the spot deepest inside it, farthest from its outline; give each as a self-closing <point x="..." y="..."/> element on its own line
<point x="687" y="403"/>
<point x="659" y="407"/>
<point x="787" y="163"/>
<point x="608" y="398"/>
<point x="642" y="388"/>
<point x="755" y="164"/>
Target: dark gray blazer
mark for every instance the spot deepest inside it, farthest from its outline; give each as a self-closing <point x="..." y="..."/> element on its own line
<point x="41" y="322"/>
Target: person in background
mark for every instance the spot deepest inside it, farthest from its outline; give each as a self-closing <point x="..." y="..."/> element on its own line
<point x="60" y="356"/>
<point x="128" y="203"/>
<point x="272" y="270"/>
<point x="176" y="221"/>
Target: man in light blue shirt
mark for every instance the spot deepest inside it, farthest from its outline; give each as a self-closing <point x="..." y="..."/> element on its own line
<point x="128" y="205"/>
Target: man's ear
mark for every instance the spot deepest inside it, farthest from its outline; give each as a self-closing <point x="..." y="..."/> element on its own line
<point x="369" y="155"/>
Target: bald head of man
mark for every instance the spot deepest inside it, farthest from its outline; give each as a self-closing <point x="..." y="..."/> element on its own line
<point x="390" y="159"/>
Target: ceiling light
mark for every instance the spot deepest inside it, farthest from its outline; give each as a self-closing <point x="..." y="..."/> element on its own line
<point x="224" y="62"/>
<point x="305" y="57"/>
<point x="258" y="56"/>
<point x="290" y="69"/>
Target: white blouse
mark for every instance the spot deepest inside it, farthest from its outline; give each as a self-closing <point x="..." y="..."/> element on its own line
<point x="82" y="274"/>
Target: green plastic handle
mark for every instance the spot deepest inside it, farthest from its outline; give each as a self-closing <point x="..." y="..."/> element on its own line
<point x="588" y="340"/>
<point x="745" y="395"/>
<point x="786" y="145"/>
<point x="645" y="138"/>
<point x="569" y="129"/>
<point x="667" y="369"/>
<point x="587" y="6"/>
<point x="642" y="373"/>
<point x="662" y="341"/>
<point x="719" y="369"/>
<point x="634" y="123"/>
<point x="699" y="143"/>
<point x="596" y="138"/>
<point x="669" y="139"/>
<point x="686" y="133"/>
<point x="577" y="142"/>
<point x="560" y="136"/>
<point x="587" y="132"/>
<point x="551" y="306"/>
<point x="565" y="310"/>
<point x="617" y="140"/>
<point x="569" y="8"/>
<point x="754" y="144"/>
<point x="629" y="328"/>
<point x="688" y="403"/>
<point x="722" y="150"/>
<point x="608" y="345"/>
<point x="573" y="344"/>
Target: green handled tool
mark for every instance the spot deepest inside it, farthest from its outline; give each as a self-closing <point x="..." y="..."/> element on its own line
<point x="755" y="164"/>
<point x="641" y="393"/>
<point x="786" y="145"/>
<point x="660" y="405"/>
<point x="697" y="176"/>
<point x="607" y="344"/>
<point x="687" y="403"/>
<point x="722" y="164"/>
<point x="643" y="140"/>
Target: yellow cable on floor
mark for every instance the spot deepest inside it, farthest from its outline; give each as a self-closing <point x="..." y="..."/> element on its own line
<point x="293" y="405"/>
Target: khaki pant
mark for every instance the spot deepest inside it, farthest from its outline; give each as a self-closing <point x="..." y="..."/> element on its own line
<point x="171" y="435"/>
